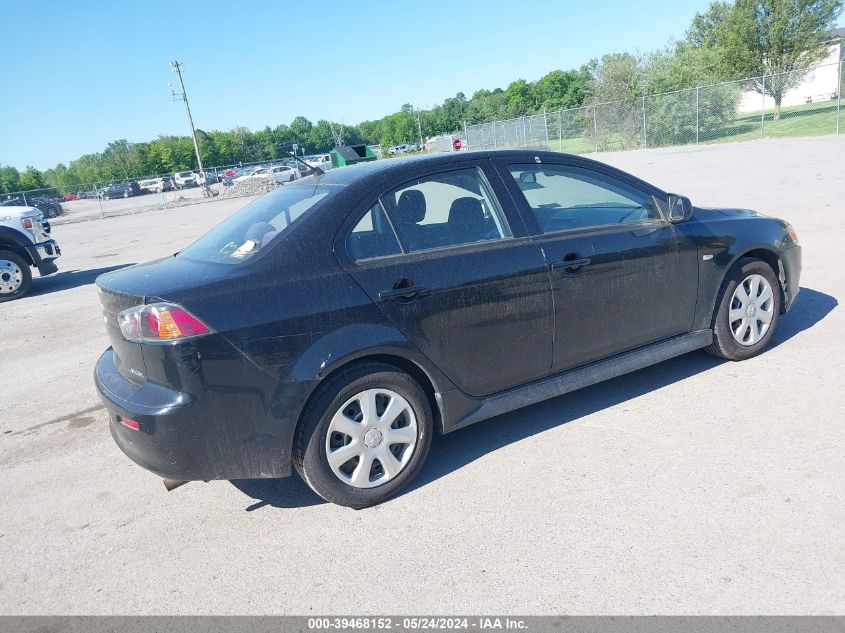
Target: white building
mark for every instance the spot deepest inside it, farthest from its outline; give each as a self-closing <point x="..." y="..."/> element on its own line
<point x="820" y="84"/>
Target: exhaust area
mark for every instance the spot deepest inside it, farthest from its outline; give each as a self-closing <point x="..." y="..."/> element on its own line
<point x="172" y="484"/>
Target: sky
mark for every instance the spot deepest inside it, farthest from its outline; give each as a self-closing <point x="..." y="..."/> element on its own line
<point x="77" y="75"/>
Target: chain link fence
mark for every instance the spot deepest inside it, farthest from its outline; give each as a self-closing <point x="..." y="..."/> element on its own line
<point x="82" y="201"/>
<point x="807" y="105"/>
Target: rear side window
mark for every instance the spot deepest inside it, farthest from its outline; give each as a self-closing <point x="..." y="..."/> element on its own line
<point x="445" y="209"/>
<point x="372" y="237"/>
<point x="564" y="198"/>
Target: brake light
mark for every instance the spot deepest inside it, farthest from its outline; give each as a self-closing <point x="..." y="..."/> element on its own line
<point x="159" y="322"/>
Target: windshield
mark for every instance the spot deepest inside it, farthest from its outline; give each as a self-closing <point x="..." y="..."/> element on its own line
<point x="255" y="226"/>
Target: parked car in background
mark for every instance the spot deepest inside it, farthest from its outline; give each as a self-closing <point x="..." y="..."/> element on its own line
<point x="276" y="173"/>
<point x="323" y="161"/>
<point x="419" y="297"/>
<point x="184" y="179"/>
<point x="120" y="190"/>
<point x="50" y="208"/>
<point x="156" y="185"/>
<point x="208" y="177"/>
<point x="69" y="197"/>
<point x="86" y="195"/>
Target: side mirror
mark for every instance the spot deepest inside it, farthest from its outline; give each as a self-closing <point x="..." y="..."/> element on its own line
<point x="528" y="176"/>
<point x="680" y="208"/>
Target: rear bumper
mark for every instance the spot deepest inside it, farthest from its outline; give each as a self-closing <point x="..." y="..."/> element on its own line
<point x="183" y="436"/>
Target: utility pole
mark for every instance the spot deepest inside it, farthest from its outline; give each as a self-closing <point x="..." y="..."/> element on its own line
<point x="419" y="127"/>
<point x="176" y="67"/>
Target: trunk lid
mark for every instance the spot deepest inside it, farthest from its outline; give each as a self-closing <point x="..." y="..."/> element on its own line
<point x="175" y="279"/>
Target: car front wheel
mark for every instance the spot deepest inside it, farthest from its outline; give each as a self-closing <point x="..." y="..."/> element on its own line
<point x="365" y="435"/>
<point x="747" y="311"/>
<point x="15" y="276"/>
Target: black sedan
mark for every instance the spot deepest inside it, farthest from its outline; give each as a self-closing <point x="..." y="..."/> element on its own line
<point x="335" y="324"/>
<point x="120" y="190"/>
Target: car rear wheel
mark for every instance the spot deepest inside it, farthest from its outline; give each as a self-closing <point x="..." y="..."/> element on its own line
<point x="15" y="276"/>
<point x="365" y="435"/>
<point x="747" y="310"/>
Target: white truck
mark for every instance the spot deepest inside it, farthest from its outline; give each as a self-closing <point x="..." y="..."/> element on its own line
<point x="323" y="161"/>
<point x="25" y="243"/>
<point x="185" y="179"/>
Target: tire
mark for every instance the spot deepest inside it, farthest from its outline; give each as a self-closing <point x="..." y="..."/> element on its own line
<point x="13" y="266"/>
<point x="125" y="194"/>
<point x="748" y="333"/>
<point x="345" y="392"/>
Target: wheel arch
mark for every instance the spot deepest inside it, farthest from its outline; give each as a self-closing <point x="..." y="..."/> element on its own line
<point x="764" y="253"/>
<point x="392" y="358"/>
<point x="9" y="242"/>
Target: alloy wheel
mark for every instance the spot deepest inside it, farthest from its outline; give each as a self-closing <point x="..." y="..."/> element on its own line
<point x="751" y="310"/>
<point x="371" y="438"/>
<point x="11" y="277"/>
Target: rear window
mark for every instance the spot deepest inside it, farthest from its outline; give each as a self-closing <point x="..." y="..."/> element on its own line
<point x="254" y="227"/>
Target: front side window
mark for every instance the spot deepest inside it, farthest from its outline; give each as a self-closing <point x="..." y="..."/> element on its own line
<point x="564" y="198"/>
<point x="445" y="209"/>
<point x="251" y="229"/>
<point x="372" y="237"/>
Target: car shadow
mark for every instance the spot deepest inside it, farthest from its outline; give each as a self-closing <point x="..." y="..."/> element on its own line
<point x="290" y="492"/>
<point x="811" y="306"/>
<point x="457" y="449"/>
<point x="68" y="279"/>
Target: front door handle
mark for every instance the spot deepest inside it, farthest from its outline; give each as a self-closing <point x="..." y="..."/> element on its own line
<point x="411" y="292"/>
<point x="572" y="265"/>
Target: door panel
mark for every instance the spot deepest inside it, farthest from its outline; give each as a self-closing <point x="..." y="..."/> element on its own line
<point x="470" y="289"/>
<point x="638" y="287"/>
<point x="622" y="276"/>
<point x="483" y="317"/>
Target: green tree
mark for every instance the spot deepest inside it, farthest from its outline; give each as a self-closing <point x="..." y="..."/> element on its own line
<point x="31" y="179"/>
<point x="779" y="39"/>
<point x="9" y="179"/>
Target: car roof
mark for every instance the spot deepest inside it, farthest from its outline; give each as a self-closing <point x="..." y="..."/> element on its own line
<point x="352" y="173"/>
<point x="388" y="168"/>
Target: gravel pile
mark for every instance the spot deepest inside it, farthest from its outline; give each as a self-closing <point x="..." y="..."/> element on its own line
<point x="249" y="187"/>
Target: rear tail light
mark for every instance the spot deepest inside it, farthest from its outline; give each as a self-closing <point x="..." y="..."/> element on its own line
<point x="159" y="322"/>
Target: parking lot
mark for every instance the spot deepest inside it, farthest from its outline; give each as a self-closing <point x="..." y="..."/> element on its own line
<point x="94" y="208"/>
<point x="696" y="486"/>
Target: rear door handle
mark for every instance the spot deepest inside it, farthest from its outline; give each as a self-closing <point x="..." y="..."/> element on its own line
<point x="571" y="264"/>
<point x="412" y="292"/>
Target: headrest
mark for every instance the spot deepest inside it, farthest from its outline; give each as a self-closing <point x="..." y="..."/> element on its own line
<point x="411" y="207"/>
<point x="466" y="215"/>
<point x="257" y="230"/>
